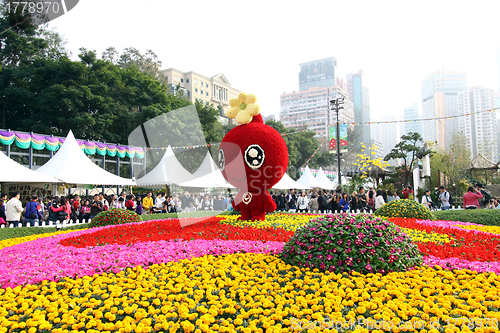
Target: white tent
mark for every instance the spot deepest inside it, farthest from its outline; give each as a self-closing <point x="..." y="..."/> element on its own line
<point x="286" y="183"/>
<point x="323" y="179"/>
<point x="70" y="165"/>
<point x="307" y="179"/>
<point x="13" y="172"/>
<point x="168" y="171"/>
<point x="207" y="175"/>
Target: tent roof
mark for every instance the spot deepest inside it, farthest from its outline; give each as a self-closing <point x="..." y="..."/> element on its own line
<point x="11" y="171"/>
<point x="323" y="179"/>
<point x="481" y="162"/>
<point x="71" y="165"/>
<point x="307" y="179"/>
<point x="286" y="182"/>
<point x="168" y="171"/>
<point x="207" y="175"/>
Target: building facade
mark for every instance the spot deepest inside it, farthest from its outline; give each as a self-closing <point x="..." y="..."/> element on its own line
<point x="311" y="109"/>
<point x="480" y="128"/>
<point x="318" y="73"/>
<point x="440" y="92"/>
<point x="412" y="120"/>
<point x="360" y="97"/>
<point x="216" y="90"/>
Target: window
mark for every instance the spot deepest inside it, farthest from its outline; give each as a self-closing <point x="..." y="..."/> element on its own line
<point x="202" y="92"/>
<point x="207" y="93"/>
<point x="195" y="90"/>
<point x="187" y="80"/>
<point x="182" y="80"/>
<point x="176" y="78"/>
<point x="166" y="77"/>
<point x="201" y="82"/>
<point x="207" y="85"/>
<point x="196" y="81"/>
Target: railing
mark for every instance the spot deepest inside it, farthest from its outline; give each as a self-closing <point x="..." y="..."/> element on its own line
<point x="48" y="224"/>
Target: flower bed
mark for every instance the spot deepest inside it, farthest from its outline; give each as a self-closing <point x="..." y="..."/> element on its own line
<point x="222" y="275"/>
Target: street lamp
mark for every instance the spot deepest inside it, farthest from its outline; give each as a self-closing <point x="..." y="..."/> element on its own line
<point x="336" y="105"/>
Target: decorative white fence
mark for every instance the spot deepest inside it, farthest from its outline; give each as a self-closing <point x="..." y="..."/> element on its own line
<point x="47" y="224"/>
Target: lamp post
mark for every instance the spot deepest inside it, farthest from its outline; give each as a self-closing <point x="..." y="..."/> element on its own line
<point x="336" y="105"/>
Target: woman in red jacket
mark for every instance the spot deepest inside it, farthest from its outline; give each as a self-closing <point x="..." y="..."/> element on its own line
<point x="471" y="198"/>
<point x="65" y="207"/>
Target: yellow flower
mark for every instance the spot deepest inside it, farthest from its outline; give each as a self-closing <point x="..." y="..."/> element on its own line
<point x="243" y="108"/>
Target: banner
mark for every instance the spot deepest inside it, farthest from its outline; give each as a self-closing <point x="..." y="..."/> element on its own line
<point x="332" y="138"/>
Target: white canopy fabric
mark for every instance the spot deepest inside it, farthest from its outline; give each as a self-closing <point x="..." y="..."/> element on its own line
<point x="323" y="179"/>
<point x="13" y="172"/>
<point x="286" y="183"/>
<point x="207" y="175"/>
<point x="307" y="179"/>
<point x="70" y="165"/>
<point x="168" y="171"/>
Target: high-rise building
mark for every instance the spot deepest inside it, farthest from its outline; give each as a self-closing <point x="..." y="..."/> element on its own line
<point x="311" y="108"/>
<point x="412" y="120"/>
<point x="216" y="90"/>
<point x="480" y="128"/>
<point x="359" y="95"/>
<point x="317" y="73"/>
<point x="440" y="99"/>
<point x="497" y="103"/>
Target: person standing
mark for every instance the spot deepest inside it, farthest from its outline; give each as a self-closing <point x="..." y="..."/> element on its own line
<point x="313" y="204"/>
<point x="147" y="203"/>
<point x="390" y="196"/>
<point x="427" y="200"/>
<point x="303" y="203"/>
<point x="96" y="206"/>
<point x="379" y="199"/>
<point x="3" y="218"/>
<point x="3" y="197"/>
<point x="344" y="203"/>
<point x="13" y="209"/>
<point x="444" y="196"/>
<point x="471" y="198"/>
<point x="362" y="200"/>
<point x="32" y="212"/>
<point x="354" y="202"/>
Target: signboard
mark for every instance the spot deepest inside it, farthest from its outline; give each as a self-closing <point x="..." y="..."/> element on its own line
<point x="332" y="138"/>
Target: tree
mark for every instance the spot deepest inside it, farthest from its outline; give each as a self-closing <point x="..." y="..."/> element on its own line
<point x="454" y="162"/>
<point x="408" y="151"/>
<point x="148" y="63"/>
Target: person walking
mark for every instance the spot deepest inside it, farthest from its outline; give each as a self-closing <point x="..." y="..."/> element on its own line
<point x="13" y="209"/>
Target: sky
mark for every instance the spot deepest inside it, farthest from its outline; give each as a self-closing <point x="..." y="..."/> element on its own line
<point x="258" y="45"/>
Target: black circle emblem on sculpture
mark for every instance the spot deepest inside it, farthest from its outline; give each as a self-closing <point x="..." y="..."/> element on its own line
<point x="254" y="156"/>
<point x="222" y="160"/>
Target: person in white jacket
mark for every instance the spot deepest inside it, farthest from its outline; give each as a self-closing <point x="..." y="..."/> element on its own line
<point x="379" y="200"/>
<point x="303" y="203"/>
<point x="13" y="209"/>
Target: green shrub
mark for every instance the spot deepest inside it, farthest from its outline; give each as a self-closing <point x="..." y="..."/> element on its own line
<point x="114" y="216"/>
<point x="405" y="208"/>
<point x="198" y="213"/>
<point x="479" y="216"/>
<point x="345" y="243"/>
<point x="8" y="233"/>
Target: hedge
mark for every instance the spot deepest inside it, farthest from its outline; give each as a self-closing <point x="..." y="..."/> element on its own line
<point x="479" y="216"/>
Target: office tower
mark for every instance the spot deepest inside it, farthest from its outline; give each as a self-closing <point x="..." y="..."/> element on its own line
<point x="360" y="97"/>
<point x="317" y="73"/>
<point x="310" y="106"/>
<point x="480" y="127"/>
<point x="412" y="120"/>
<point x="311" y="109"/>
<point x="440" y="99"/>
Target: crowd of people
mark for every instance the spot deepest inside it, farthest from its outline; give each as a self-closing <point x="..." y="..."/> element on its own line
<point x="333" y="201"/>
<point x="78" y="208"/>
